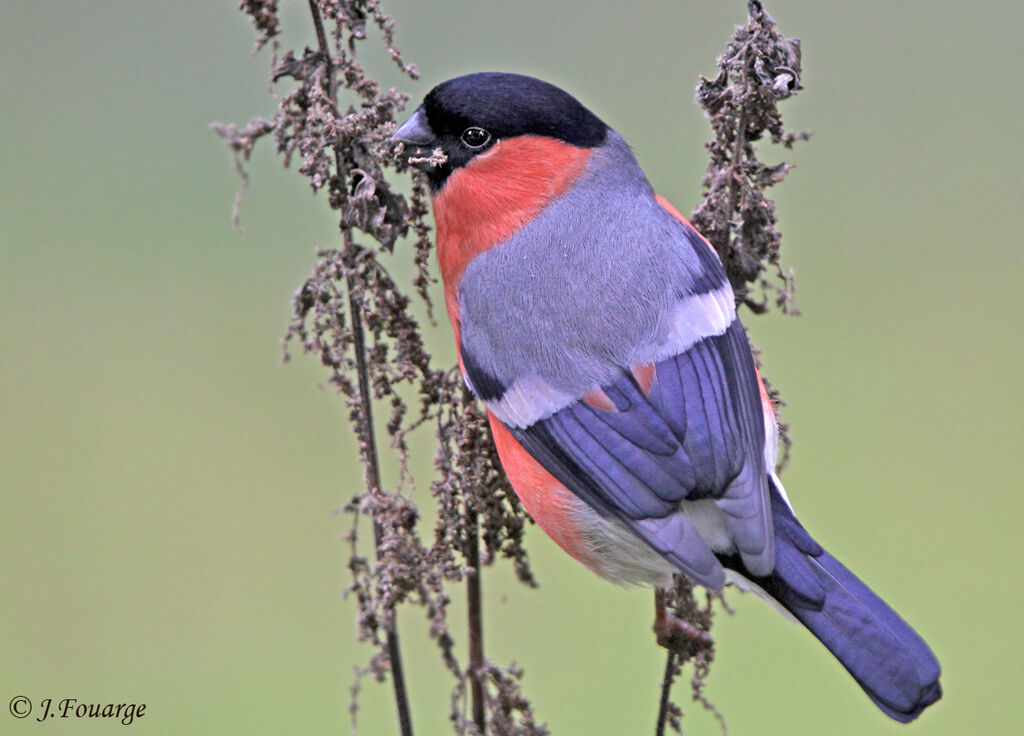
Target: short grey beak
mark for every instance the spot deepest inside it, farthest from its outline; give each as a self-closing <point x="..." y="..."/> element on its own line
<point x="415" y="131"/>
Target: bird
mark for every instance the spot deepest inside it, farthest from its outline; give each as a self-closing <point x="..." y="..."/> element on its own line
<point x="600" y="331"/>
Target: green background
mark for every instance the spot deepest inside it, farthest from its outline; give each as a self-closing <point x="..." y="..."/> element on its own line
<point x="166" y="487"/>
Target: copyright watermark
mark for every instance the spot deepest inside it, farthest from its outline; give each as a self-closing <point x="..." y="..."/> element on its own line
<point x="20" y="706"/>
<point x="125" y="713"/>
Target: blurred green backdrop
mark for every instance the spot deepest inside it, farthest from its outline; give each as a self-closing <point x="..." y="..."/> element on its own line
<point x="166" y="487"/>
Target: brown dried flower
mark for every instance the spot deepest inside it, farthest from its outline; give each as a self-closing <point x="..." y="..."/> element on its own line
<point x="356" y="319"/>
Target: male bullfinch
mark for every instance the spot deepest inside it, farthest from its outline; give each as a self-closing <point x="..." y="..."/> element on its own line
<point x="600" y="331"/>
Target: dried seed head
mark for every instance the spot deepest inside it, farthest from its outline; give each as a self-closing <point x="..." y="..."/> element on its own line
<point x="354" y="316"/>
<point x="758" y="69"/>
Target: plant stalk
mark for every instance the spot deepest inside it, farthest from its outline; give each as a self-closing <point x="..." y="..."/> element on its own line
<point x="474" y="603"/>
<point x="666" y="690"/>
<point x="373" y="481"/>
<point x="368" y="438"/>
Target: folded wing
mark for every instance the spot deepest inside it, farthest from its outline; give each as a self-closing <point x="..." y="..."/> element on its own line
<point x="698" y="434"/>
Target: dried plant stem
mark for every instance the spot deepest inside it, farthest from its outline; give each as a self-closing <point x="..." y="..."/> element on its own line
<point x="666" y="690"/>
<point x="321" y="40"/>
<point x="672" y="665"/>
<point x="474" y="596"/>
<point x="474" y="604"/>
<point x="368" y="439"/>
<point x="690" y="645"/>
<point x="758" y="69"/>
<point x="737" y="160"/>
<point x="353" y="315"/>
<point x="369" y="443"/>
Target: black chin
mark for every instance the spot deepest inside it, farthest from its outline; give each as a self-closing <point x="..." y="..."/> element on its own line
<point x="437" y="175"/>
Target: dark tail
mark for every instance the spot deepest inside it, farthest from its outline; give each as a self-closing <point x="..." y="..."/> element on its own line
<point x="885" y="656"/>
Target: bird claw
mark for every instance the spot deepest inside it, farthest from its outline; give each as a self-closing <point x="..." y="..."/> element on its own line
<point x="680" y="636"/>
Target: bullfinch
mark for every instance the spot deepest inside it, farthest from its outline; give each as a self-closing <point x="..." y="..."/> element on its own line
<point x="599" y="329"/>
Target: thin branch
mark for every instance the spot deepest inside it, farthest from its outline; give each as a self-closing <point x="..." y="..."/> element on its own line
<point x="666" y="690"/>
<point x="368" y="440"/>
<point x="474" y="596"/>
<point x="321" y="38"/>
<point x="682" y="626"/>
<point x="474" y="602"/>
<point x="373" y="482"/>
<point x="737" y="162"/>
<point x="672" y="661"/>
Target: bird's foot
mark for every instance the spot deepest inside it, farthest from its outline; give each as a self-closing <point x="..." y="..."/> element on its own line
<point x="675" y="634"/>
<point x="680" y="636"/>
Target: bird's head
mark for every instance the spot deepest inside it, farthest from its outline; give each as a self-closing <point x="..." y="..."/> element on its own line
<point x="467" y="117"/>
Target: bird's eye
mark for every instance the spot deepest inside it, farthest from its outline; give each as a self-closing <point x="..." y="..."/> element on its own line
<point x="475" y="137"/>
